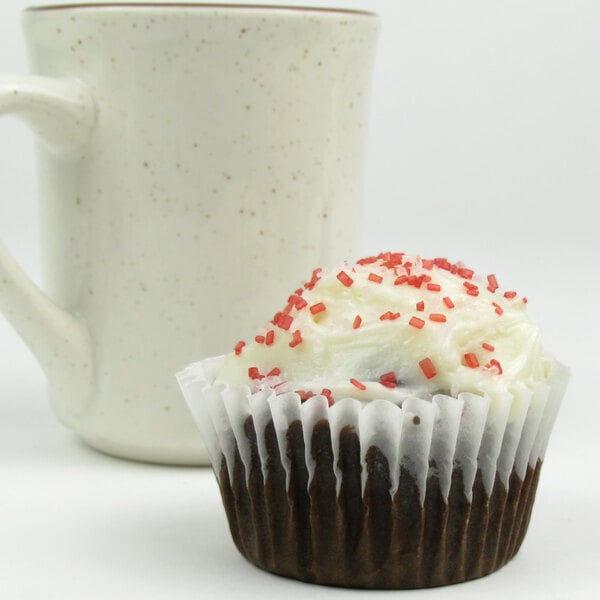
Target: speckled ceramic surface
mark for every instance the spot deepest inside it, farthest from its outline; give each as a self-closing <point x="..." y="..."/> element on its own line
<point x="191" y="160"/>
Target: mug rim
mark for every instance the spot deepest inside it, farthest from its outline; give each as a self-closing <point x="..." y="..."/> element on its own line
<point x="197" y="5"/>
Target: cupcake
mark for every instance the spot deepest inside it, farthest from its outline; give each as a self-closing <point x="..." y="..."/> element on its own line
<point x="385" y="429"/>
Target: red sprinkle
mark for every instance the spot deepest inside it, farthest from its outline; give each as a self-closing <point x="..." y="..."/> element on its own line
<point x="427" y="264"/>
<point x="345" y="278"/>
<point x="304" y="395"/>
<point x="510" y="295"/>
<point x="470" y="286"/>
<point x="284" y="321"/>
<point x="238" y="347"/>
<point x="388" y="384"/>
<point x="301" y="303"/>
<point x="487" y="347"/>
<point x="327" y="393"/>
<point x="434" y="287"/>
<point x="317" y="308"/>
<point x="316" y="275"/>
<point x="473" y="292"/>
<point x="358" y="384"/>
<point x="400" y="280"/>
<point x="297" y="301"/>
<point x="270" y="337"/>
<point x="471" y="360"/>
<point x="417" y="281"/>
<point x="274" y="372"/>
<point x="391" y="259"/>
<point x="367" y="260"/>
<point x="296" y="338"/>
<point x="492" y="283"/>
<point x="465" y="273"/>
<point x="420" y="306"/>
<point x="525" y="301"/>
<point x="428" y="368"/>
<point x="388" y="380"/>
<point x="416" y="322"/>
<point x="442" y="263"/>
<point x="357" y="322"/>
<point x="259" y="339"/>
<point x="375" y="278"/>
<point x="389" y="316"/>
<point x="496" y="364"/>
<point x="437" y="317"/>
<point x="448" y="302"/>
<point x="497" y="308"/>
<point x="254" y="373"/>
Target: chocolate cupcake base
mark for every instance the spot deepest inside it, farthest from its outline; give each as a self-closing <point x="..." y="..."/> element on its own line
<point x="311" y="531"/>
<point x="374" y="494"/>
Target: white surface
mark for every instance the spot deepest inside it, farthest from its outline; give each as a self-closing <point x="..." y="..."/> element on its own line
<point x="485" y="141"/>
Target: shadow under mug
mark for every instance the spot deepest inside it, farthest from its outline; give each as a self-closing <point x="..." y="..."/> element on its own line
<point x="195" y="163"/>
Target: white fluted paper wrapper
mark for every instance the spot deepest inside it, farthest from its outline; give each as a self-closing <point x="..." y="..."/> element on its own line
<point x="426" y="437"/>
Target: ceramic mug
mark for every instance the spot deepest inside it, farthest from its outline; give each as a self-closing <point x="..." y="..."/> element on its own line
<point x="193" y="159"/>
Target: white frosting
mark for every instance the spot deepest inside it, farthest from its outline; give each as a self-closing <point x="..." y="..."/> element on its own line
<point x="333" y="352"/>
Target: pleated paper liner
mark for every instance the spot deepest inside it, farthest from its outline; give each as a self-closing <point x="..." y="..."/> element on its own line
<point x="375" y="495"/>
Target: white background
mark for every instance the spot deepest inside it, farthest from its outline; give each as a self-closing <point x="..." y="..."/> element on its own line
<point x="485" y="147"/>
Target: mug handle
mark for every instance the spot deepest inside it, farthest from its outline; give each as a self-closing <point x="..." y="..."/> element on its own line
<point x="62" y="113"/>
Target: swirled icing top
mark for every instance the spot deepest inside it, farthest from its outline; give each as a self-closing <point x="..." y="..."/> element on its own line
<point x="395" y="325"/>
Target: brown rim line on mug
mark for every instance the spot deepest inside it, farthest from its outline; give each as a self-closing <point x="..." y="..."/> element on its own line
<point x="197" y="5"/>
